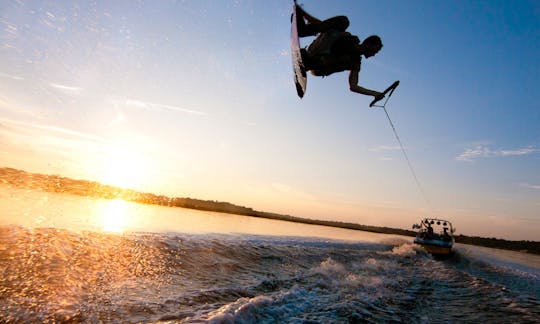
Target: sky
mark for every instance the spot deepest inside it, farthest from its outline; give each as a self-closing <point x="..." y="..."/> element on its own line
<point x="196" y="99"/>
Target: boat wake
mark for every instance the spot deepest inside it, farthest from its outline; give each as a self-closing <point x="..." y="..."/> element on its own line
<point x="59" y="275"/>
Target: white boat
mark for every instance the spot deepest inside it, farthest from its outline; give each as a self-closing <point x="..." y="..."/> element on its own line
<point x="435" y="236"/>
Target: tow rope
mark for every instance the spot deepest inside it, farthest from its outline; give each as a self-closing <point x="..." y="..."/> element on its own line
<point x="390" y="90"/>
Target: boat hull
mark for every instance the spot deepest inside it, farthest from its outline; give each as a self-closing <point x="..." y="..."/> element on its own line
<point x="436" y="250"/>
<point x="436" y="247"/>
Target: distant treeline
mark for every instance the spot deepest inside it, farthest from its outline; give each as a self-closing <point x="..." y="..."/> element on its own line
<point x="58" y="184"/>
<point x="522" y="246"/>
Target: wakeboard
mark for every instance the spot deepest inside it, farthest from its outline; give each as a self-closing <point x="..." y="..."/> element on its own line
<point x="299" y="71"/>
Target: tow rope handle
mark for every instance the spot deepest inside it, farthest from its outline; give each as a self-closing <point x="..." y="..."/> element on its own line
<point x="388" y="90"/>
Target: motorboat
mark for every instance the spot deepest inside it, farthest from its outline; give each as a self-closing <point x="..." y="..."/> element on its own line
<point x="435" y="236"/>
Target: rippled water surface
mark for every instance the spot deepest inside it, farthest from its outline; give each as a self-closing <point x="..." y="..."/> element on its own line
<point x="302" y="274"/>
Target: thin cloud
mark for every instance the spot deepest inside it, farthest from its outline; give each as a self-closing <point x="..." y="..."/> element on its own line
<point x="136" y="103"/>
<point x="482" y="151"/>
<point x="529" y="186"/>
<point x="523" y="151"/>
<point x="65" y="88"/>
<point x="155" y="106"/>
<point x="174" y="108"/>
<point x="474" y="153"/>
<point x="51" y="129"/>
<point x="10" y="76"/>
<point x="384" y="148"/>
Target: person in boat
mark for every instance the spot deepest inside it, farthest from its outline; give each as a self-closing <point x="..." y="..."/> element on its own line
<point x="446" y="236"/>
<point x="336" y="50"/>
<point x="430" y="231"/>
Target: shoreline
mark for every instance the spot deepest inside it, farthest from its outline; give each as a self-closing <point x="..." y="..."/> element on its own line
<point x="58" y="184"/>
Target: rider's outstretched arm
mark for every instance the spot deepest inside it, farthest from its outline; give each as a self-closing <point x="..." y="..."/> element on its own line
<point x="354" y="87"/>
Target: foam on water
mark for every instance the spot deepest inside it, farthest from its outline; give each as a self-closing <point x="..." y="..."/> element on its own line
<point x="60" y="275"/>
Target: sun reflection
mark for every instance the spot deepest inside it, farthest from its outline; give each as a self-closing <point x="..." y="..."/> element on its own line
<point x="115" y="215"/>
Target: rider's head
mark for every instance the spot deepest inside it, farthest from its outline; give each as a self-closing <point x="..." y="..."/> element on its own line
<point x="371" y="45"/>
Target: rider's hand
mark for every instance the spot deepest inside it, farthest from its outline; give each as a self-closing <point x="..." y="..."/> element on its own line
<point x="378" y="95"/>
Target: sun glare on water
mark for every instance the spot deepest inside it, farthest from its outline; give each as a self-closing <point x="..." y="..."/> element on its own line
<point x="115" y="215"/>
<point x="123" y="163"/>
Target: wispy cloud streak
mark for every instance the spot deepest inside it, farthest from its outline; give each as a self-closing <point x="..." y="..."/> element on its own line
<point x="65" y="88"/>
<point x="530" y="186"/>
<point x="156" y="106"/>
<point x="10" y="76"/>
<point x="481" y="151"/>
<point x="51" y="129"/>
<point x="384" y="148"/>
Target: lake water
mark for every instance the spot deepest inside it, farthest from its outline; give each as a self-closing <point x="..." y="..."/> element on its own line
<point x="70" y="258"/>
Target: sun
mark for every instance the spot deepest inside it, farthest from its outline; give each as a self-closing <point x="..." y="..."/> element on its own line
<point x="123" y="165"/>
